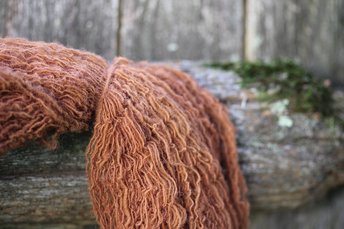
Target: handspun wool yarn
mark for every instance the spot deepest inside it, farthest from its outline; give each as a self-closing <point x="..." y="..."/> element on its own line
<point x="162" y="153"/>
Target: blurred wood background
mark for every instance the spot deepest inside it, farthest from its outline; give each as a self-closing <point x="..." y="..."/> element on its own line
<point x="310" y="31"/>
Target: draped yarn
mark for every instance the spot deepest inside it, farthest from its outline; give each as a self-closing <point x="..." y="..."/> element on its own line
<point x="162" y="153"/>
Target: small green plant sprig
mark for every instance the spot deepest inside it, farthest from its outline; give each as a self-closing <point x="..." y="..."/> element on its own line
<point x="287" y="80"/>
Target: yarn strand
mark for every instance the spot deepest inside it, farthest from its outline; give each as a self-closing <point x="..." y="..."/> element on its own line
<point x="162" y="153"/>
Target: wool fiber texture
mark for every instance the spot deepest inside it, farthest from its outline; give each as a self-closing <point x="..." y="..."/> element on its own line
<point x="163" y="151"/>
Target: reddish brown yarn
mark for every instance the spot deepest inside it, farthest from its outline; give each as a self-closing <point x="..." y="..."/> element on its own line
<point x="163" y="152"/>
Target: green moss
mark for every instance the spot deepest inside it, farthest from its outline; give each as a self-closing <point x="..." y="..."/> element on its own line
<point x="285" y="79"/>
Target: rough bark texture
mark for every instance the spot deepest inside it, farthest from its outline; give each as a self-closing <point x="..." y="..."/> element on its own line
<point x="285" y="167"/>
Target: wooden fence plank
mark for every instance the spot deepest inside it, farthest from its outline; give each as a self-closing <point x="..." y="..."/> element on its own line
<point x="198" y="29"/>
<point x="81" y="24"/>
<point x="311" y="31"/>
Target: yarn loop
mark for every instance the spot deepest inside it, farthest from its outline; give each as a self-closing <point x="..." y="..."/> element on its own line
<point x="162" y="153"/>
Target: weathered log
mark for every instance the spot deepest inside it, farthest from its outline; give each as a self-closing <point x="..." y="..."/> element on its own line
<point x="286" y="166"/>
<point x="323" y="214"/>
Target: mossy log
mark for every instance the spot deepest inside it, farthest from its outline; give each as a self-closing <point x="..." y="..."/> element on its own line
<point x="285" y="166"/>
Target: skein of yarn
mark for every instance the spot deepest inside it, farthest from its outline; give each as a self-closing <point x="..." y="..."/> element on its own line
<point x="163" y="151"/>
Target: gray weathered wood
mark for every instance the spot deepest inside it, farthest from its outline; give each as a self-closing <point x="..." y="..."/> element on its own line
<point x="82" y="24"/>
<point x="325" y="214"/>
<point x="152" y="29"/>
<point x="198" y="29"/>
<point x="311" y="31"/>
